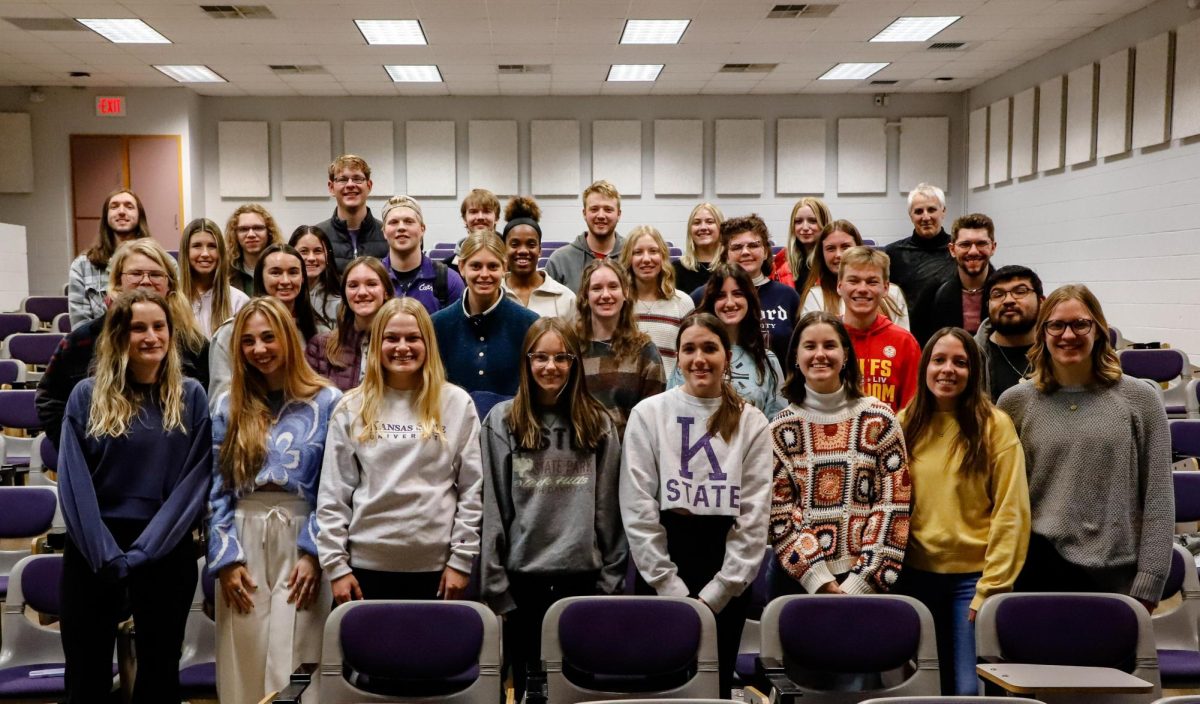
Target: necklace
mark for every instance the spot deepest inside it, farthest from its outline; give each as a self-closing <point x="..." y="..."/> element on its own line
<point x="1020" y="374"/>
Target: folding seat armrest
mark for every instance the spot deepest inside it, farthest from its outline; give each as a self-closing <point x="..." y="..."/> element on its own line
<point x="783" y="690"/>
<point x="297" y="684"/>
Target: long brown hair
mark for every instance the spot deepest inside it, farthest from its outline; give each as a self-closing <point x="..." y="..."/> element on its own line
<point x="729" y="414"/>
<point x="107" y="241"/>
<point x="588" y="416"/>
<point x="245" y="447"/>
<point x="793" y="385"/>
<point x="341" y="340"/>
<point x="1106" y="367"/>
<point x="750" y="336"/>
<point x="220" y="275"/>
<point x="973" y="409"/>
<point x="820" y="276"/>
<point x="628" y="340"/>
<point x="302" y="308"/>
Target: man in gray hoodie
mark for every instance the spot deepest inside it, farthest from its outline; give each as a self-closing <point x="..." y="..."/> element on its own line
<point x="601" y="212"/>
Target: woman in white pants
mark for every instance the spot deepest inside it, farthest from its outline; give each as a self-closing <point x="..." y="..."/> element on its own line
<point x="269" y="439"/>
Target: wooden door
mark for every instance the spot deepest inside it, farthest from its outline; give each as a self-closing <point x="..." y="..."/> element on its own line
<point x="156" y="175"/>
<point x="97" y="168"/>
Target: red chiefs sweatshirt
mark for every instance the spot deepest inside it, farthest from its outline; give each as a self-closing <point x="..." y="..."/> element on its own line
<point x="888" y="360"/>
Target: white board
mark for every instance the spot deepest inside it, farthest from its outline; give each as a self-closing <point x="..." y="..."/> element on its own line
<point x="14" y="265"/>
<point x="429" y="157"/>
<point x="307" y="150"/>
<point x="678" y="157"/>
<point x="739" y="157"/>
<point x="924" y="152"/>
<point x="862" y="155"/>
<point x="977" y="148"/>
<point x="1185" y="116"/>
<point x="998" y="120"/>
<point x="244" y="164"/>
<point x="1112" y="122"/>
<point x="554" y="157"/>
<point x="1081" y="114"/>
<point x="800" y="155"/>
<point x="1050" y="130"/>
<point x="617" y="154"/>
<point x="375" y="142"/>
<point x="16" y="154"/>
<point x="1024" y="104"/>
<point x="492" y="156"/>
<point x="1150" y="123"/>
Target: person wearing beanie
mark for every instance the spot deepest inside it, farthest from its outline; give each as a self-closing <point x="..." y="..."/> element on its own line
<point x="413" y="273"/>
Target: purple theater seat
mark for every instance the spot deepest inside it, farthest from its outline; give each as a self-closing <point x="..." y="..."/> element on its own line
<point x="10" y="371"/>
<point x="16" y="322"/>
<point x="1179" y="668"/>
<point x="41" y="584"/>
<point x="1185" y="438"/>
<point x="34" y="347"/>
<point x="198" y="680"/>
<point x="1174" y="576"/>
<point x="45" y="307"/>
<point x="895" y="626"/>
<point x="26" y="511"/>
<point x="18" y="409"/>
<point x="1157" y="365"/>
<point x="49" y="454"/>
<point x="1061" y="629"/>
<point x="1187" y="496"/>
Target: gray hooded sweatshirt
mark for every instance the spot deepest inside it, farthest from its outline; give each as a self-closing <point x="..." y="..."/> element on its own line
<point x="566" y="265"/>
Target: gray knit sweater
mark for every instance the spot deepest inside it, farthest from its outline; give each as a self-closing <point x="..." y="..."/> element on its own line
<point x="1099" y="464"/>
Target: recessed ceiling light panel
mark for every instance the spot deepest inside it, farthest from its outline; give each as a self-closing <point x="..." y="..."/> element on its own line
<point x="914" y="29"/>
<point x="191" y="74"/>
<point x="634" y="72"/>
<point x="654" y="31"/>
<point x="414" y="74"/>
<point x="407" y="32"/>
<point x="124" y="31"/>
<point x="852" y="71"/>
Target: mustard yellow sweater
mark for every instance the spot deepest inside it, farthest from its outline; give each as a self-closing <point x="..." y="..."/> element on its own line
<point x="969" y="523"/>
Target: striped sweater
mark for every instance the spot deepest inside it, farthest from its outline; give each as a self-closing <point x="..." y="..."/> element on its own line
<point x="660" y="320"/>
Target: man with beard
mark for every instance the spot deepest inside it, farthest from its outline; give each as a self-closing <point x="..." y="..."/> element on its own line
<point x="601" y="213"/>
<point x="352" y="230"/>
<point x="122" y="218"/>
<point x="1013" y="294"/>
<point x="959" y="302"/>
<point x="921" y="263"/>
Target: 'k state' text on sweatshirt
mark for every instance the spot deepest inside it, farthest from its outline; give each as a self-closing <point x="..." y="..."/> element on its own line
<point x="400" y="502"/>
<point x="671" y="463"/>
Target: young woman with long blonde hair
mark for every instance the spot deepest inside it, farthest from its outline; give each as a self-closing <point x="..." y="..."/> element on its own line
<point x="204" y="276"/>
<point x="792" y="263"/>
<point x="658" y="305"/>
<point x="338" y="355"/>
<point x="701" y="247"/>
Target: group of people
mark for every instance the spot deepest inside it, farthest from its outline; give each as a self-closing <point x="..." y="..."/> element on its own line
<point x="348" y="418"/>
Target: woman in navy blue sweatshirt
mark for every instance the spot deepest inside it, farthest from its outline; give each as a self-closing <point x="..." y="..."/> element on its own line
<point x="134" y="466"/>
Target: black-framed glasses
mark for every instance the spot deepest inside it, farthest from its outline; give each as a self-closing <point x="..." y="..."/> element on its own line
<point x="562" y="359"/>
<point x="1080" y="326"/>
<point x="999" y="294"/>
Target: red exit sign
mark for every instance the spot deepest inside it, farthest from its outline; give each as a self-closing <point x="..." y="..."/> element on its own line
<point x="110" y="105"/>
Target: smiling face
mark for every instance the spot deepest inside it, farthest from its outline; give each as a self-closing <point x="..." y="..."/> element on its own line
<point x="202" y="254"/>
<point x="140" y="271"/>
<point x="314" y="255"/>
<point x="646" y="260"/>
<point x="262" y="349"/>
<point x="1015" y="311"/>
<point x="283" y="276"/>
<point x="820" y="358"/>
<point x="149" y="336"/>
<point x="747" y="251"/>
<point x="524" y="250"/>
<point x="478" y="217"/>
<point x="806" y="226"/>
<point x="365" y="293"/>
<point x="403" y="230"/>
<point x="605" y="297"/>
<point x="926" y="215"/>
<point x="704" y="229"/>
<point x="601" y="214"/>
<point x="1070" y="348"/>
<point x="834" y="246"/>
<point x="730" y="306"/>
<point x="403" y="351"/>
<point x="483" y="272"/>
<point x="972" y="249"/>
<point x="548" y="366"/>
<point x="702" y="360"/>
<point x="862" y="288"/>
<point x="251" y="230"/>
<point x="122" y="215"/>
<point x="350" y="187"/>
<point x="948" y="371"/>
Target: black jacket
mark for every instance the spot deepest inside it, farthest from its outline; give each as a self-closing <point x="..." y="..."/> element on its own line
<point x="371" y="241"/>
<point x="919" y="267"/>
<point x="947" y="304"/>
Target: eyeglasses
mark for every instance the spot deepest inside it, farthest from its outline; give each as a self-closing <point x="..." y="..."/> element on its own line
<point x="356" y="180"/>
<point x="562" y="359"/>
<point x="746" y="246"/>
<point x="1081" y="326"/>
<point x="154" y="276"/>
<point x="999" y="294"/>
<point x="247" y="229"/>
<point x="968" y="246"/>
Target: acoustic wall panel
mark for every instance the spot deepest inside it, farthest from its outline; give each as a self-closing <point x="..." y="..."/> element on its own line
<point x="862" y="155"/>
<point x="800" y="155"/>
<point x="924" y="152"/>
<point x="739" y="157"/>
<point x="430" y="164"/>
<point x="307" y="150"/>
<point x="374" y="141"/>
<point x="998" y="121"/>
<point x="1022" y="125"/>
<point x="16" y="153"/>
<point x="617" y="154"/>
<point x="554" y="157"/>
<point x="492" y="155"/>
<point x="1081" y="114"/>
<point x="1151" y="116"/>
<point x="977" y="148"/>
<point x="244" y="165"/>
<point x="678" y="157"/>
<point x="1051" y="125"/>
<point x="1112" y="123"/>
<point x="1185" y="116"/>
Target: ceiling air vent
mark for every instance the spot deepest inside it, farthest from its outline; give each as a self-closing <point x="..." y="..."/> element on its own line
<point x="947" y="46"/>
<point x="297" y="69"/>
<point x="521" y="69"/>
<point x="883" y="82"/>
<point x="748" y="68"/>
<point x="46" y="24"/>
<point x="238" y="12"/>
<point x="787" y="12"/>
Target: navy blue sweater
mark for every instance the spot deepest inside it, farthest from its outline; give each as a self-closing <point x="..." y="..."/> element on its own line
<point x="780" y="309"/>
<point x="482" y="353"/>
<point x="145" y="475"/>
